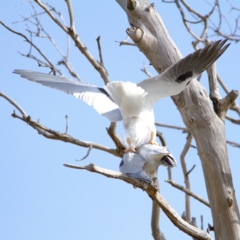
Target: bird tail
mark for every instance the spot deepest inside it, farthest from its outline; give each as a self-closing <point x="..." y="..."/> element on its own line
<point x="128" y="96"/>
<point x="168" y="161"/>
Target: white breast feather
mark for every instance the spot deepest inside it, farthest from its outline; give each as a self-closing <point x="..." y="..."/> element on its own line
<point x="139" y="129"/>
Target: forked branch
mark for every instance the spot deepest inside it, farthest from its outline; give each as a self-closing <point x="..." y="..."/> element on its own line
<point x="186" y="175"/>
<point x="55" y="135"/>
<point x="33" y="45"/>
<point x="187" y="191"/>
<point x="153" y="192"/>
<point x="71" y="31"/>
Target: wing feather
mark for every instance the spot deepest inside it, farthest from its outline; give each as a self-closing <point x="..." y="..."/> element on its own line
<point x="96" y="97"/>
<point x="175" y="78"/>
<point x="128" y="96"/>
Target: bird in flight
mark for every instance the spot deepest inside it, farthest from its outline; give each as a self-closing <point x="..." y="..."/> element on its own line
<point x="133" y="103"/>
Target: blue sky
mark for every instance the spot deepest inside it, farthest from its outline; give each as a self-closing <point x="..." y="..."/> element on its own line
<point x="41" y="199"/>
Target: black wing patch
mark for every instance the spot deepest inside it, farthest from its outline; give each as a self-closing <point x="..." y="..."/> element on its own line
<point x="121" y="163"/>
<point x="184" y="76"/>
<point x="168" y="161"/>
<point x="102" y="90"/>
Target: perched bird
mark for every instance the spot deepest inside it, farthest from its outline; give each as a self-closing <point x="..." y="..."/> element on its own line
<point x="144" y="163"/>
<point x="133" y="103"/>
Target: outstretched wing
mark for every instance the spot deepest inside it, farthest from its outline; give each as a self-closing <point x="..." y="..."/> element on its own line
<point x="98" y="98"/>
<point x="175" y="78"/>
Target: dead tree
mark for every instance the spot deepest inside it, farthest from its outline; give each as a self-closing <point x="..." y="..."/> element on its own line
<point x="204" y="122"/>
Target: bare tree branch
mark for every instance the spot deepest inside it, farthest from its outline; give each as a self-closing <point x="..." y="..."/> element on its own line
<point x="189" y="171"/>
<point x="194" y="223"/>
<point x="186" y="131"/>
<point x="212" y="79"/>
<point x="116" y="139"/>
<point x="234" y="105"/>
<point x="125" y="42"/>
<point x="233" y="120"/>
<point x="161" y="138"/>
<point x="24" y="114"/>
<point x="202" y="222"/>
<point x="187" y="191"/>
<point x="55" y="135"/>
<point x="70" y="12"/>
<point x="144" y="69"/>
<point x="156" y="233"/>
<point x="40" y="29"/>
<point x="206" y="21"/>
<point x="46" y="10"/>
<point x="185" y="175"/>
<point x="100" y="51"/>
<point x="155" y="221"/>
<point x="221" y="105"/>
<point x="153" y="192"/>
<point x="88" y="152"/>
<point x="33" y="45"/>
<point x="233" y="144"/>
<point x="66" y="124"/>
<point x="73" y="34"/>
<point x="171" y="126"/>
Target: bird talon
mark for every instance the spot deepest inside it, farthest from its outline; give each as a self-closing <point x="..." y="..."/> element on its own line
<point x="153" y="143"/>
<point x="130" y="149"/>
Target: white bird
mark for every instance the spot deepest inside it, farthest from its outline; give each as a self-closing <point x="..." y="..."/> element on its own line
<point x="133" y="103"/>
<point x="144" y="163"/>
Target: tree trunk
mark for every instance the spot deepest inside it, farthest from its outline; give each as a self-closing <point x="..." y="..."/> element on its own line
<point x="151" y="37"/>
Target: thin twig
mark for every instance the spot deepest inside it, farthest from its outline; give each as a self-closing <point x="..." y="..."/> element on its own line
<point x="24" y="114"/>
<point x="185" y="130"/>
<point x="32" y="44"/>
<point x="66" y="124"/>
<point x="125" y="42"/>
<point x="212" y="79"/>
<point x="189" y="171"/>
<point x="55" y="135"/>
<point x="233" y="144"/>
<point x="48" y="11"/>
<point x="161" y="138"/>
<point x="100" y="52"/>
<point x="144" y="69"/>
<point x="187" y="192"/>
<point x="88" y="152"/>
<point x="40" y="29"/>
<point x="71" y="16"/>
<point x="194" y="223"/>
<point x="73" y="34"/>
<point x="232" y="120"/>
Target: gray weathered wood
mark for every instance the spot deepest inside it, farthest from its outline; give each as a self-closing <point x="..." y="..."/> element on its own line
<point x="151" y="37"/>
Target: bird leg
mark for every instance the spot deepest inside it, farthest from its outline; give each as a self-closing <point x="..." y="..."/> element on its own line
<point x="130" y="148"/>
<point x="152" y="139"/>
